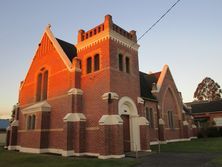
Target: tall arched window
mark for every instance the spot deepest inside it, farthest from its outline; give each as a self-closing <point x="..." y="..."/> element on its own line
<point x="170" y="119"/>
<point x="29" y="122"/>
<point x="42" y="86"/>
<point x="120" y="62"/>
<point x="45" y="86"/>
<point x="39" y="87"/>
<point x="127" y="64"/>
<point x="149" y="117"/>
<point x="33" y="122"/>
<point x="96" y="62"/>
<point x="89" y="65"/>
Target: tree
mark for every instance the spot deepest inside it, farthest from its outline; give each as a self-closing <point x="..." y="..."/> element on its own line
<point x="208" y="89"/>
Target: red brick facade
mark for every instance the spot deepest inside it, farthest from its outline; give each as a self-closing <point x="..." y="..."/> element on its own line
<point x="73" y="98"/>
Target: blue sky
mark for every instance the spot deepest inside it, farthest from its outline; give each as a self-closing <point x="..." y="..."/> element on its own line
<point x="188" y="39"/>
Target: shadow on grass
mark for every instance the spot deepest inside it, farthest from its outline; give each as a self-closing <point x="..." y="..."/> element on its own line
<point x="18" y="159"/>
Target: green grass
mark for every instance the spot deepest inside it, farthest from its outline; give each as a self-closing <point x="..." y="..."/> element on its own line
<point x="13" y="158"/>
<point x="208" y="145"/>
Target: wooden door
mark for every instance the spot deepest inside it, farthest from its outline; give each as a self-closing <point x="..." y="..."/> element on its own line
<point x="126" y="133"/>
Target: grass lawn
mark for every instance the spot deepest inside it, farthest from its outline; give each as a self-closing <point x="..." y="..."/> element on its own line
<point x="13" y="158"/>
<point x="208" y="145"/>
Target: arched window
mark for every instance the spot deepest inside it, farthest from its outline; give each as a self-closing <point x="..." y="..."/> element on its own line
<point x="96" y="62"/>
<point x="45" y="85"/>
<point x="170" y="119"/>
<point x="39" y="87"/>
<point x="127" y="65"/>
<point x="42" y="86"/>
<point x="33" y="122"/>
<point x="149" y="117"/>
<point x="120" y="62"/>
<point x="29" y="122"/>
<point x="89" y="65"/>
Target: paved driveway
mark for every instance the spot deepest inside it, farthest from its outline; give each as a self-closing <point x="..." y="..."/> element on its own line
<point x="178" y="160"/>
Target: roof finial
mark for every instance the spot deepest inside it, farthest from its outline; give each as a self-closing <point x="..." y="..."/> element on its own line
<point x="49" y="25"/>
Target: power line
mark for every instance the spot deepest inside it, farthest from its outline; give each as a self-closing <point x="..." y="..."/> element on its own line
<point x="153" y="25"/>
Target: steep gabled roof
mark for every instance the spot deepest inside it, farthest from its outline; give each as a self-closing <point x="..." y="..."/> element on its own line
<point x="146" y="84"/>
<point x="203" y="107"/>
<point x="69" y="49"/>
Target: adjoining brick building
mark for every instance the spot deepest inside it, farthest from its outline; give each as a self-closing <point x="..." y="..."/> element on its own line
<point x="207" y="112"/>
<point x="91" y="99"/>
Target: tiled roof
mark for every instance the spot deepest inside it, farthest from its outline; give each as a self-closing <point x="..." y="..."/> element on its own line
<point x="69" y="49"/>
<point x="146" y="84"/>
<point x="186" y="109"/>
<point x="202" y="107"/>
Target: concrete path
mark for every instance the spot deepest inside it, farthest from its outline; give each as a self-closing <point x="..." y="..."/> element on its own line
<point x="178" y="160"/>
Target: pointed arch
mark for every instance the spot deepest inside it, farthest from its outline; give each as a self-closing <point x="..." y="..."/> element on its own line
<point x="170" y="90"/>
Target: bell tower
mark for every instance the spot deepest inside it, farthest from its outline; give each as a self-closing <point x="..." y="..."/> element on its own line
<point x="110" y="72"/>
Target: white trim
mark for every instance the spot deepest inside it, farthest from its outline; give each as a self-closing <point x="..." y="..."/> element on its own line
<point x="140" y="100"/>
<point x="43" y="106"/>
<point x="74" y="117"/>
<point x="15" y="123"/>
<point x="162" y="76"/>
<point x="113" y="95"/>
<point x="147" y="150"/>
<point x="161" y="121"/>
<point x="143" y="121"/>
<point x="62" y="152"/>
<point x="126" y="106"/>
<point x="86" y="154"/>
<point x="178" y="140"/>
<point x="58" y="48"/>
<point x="123" y="40"/>
<point x="154" y="143"/>
<point x="107" y="34"/>
<point x="32" y="150"/>
<point x="185" y="123"/>
<point x="110" y="120"/>
<point x="194" y="126"/>
<point x="194" y="137"/>
<point x="67" y="153"/>
<point x="172" y="141"/>
<point x="75" y="91"/>
<point x="13" y="147"/>
<point x="43" y="150"/>
<point x="111" y="156"/>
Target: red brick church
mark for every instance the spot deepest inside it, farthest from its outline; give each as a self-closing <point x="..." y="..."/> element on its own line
<point x="91" y="99"/>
